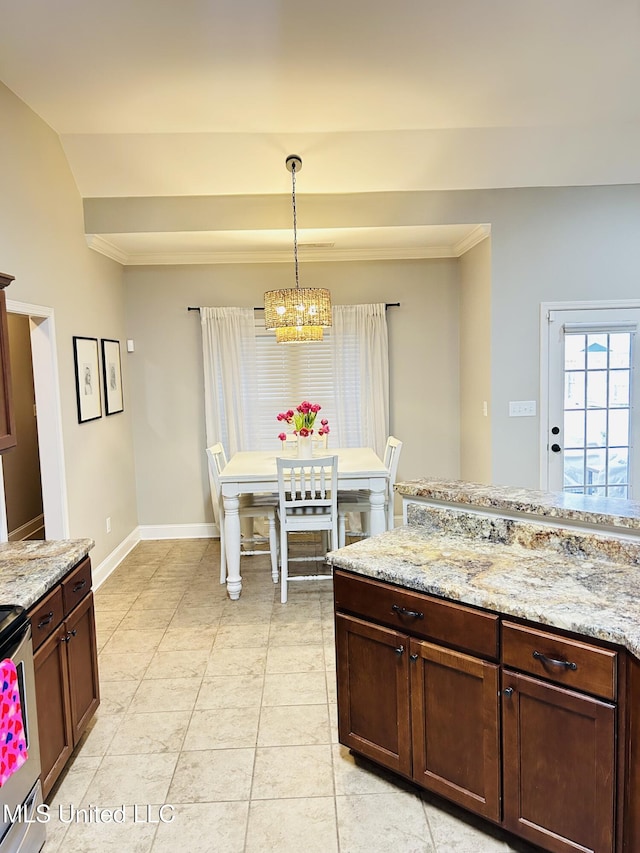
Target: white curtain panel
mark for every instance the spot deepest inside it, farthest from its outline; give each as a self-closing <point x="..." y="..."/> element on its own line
<point x="228" y="349"/>
<point x="361" y="361"/>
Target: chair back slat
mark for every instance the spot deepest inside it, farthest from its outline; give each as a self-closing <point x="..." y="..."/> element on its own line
<point x="307" y="483"/>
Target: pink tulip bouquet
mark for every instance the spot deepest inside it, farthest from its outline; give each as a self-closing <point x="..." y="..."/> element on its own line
<point x="303" y="420"/>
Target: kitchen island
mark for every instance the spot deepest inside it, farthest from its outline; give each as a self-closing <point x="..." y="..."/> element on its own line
<point x="493" y="656"/>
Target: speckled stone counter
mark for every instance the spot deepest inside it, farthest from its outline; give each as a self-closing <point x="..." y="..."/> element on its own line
<point x="605" y="513"/>
<point x="28" y="570"/>
<point x="573" y="580"/>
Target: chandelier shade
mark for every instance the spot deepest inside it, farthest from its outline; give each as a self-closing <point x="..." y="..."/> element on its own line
<point x="288" y="334"/>
<point x="297" y="313"/>
<point x="297" y="306"/>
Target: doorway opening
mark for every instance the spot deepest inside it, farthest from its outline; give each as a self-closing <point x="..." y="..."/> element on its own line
<point x="47" y="435"/>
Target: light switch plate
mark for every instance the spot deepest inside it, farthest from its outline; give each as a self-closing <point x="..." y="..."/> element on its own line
<point x="522" y="408"/>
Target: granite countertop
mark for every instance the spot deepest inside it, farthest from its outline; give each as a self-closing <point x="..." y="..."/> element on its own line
<point x="28" y="570"/>
<point x="562" y="578"/>
<point x="586" y="509"/>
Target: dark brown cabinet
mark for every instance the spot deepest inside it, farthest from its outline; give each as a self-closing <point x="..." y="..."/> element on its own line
<point x="559" y="760"/>
<point x="66" y="669"/>
<point x="428" y="712"/>
<point x="7" y="419"/>
<point x="456" y="727"/>
<point x="531" y="728"/>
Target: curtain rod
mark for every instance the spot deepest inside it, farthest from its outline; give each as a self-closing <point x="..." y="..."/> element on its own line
<point x="261" y="308"/>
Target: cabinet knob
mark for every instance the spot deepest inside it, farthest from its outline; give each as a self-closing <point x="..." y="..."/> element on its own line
<point x="508" y="692"/>
<point x="399" y="650"/>
<point x="414" y="658"/>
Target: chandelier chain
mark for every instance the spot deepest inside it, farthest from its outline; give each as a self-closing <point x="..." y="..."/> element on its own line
<point x="295" y="221"/>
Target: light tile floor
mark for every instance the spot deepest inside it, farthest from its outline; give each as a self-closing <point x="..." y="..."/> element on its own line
<point x="226" y="710"/>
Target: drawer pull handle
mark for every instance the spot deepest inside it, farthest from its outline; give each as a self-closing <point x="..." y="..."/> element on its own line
<point x="402" y="611"/>
<point x="399" y="650"/>
<point x="46" y="621"/>
<point x="80" y="585"/>
<point x="565" y="663"/>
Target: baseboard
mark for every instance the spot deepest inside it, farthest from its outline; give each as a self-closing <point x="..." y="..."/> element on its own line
<point x="201" y="530"/>
<point x="112" y="561"/>
<point x="25" y="531"/>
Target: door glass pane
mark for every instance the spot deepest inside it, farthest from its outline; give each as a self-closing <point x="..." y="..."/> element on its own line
<point x="597" y="389"/>
<point x="620" y="350"/>
<point x="618" y="466"/>
<point x="619" y="428"/>
<point x="574" y="352"/>
<point x="619" y="388"/>
<point x="597" y="350"/>
<point x="574" y="381"/>
<point x="574" y="429"/>
<point x="597" y="413"/>
<point x="596" y="428"/>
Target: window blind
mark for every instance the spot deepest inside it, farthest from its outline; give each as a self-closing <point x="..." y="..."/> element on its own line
<point x="289" y="373"/>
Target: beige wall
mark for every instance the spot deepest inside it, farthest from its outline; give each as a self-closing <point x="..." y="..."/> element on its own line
<point x="475" y="364"/>
<point x="166" y="368"/>
<point x="42" y="244"/>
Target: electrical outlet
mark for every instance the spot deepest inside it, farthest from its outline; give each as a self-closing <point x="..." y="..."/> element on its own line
<point x="109" y="524"/>
<point x="522" y="408"/>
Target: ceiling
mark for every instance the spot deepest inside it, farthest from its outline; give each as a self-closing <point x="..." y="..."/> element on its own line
<point x="205" y="98"/>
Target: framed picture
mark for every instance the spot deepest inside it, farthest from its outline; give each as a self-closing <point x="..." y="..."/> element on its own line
<point x="112" y="376"/>
<point x="85" y="353"/>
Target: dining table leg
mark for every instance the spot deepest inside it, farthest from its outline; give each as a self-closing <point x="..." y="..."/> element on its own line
<point x="378" y="516"/>
<point x="232" y="541"/>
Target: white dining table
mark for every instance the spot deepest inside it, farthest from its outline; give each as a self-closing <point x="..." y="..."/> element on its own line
<point x="255" y="471"/>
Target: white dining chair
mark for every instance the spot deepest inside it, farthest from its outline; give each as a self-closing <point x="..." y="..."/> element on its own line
<point x="308" y="501"/>
<point x="358" y="502"/>
<point x="262" y="507"/>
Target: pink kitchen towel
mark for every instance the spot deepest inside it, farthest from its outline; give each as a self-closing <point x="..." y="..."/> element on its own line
<point x="13" y="744"/>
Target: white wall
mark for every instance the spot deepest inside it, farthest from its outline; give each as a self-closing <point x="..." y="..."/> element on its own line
<point x="166" y="368"/>
<point x="475" y="364"/>
<point x="42" y="244"/>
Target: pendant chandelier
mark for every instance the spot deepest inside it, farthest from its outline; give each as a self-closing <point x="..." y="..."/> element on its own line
<point x="297" y="313"/>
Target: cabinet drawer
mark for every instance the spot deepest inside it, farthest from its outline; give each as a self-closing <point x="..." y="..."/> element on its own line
<point x="76" y="585"/>
<point x="570" y="662"/>
<point x="418" y="614"/>
<point x="46" y="617"/>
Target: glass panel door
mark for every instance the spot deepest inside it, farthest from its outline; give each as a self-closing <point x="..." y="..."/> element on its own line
<point x="594" y="420"/>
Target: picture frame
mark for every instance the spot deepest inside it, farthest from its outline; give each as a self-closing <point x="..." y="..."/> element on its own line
<point x="87" y="367"/>
<point x="112" y="376"/>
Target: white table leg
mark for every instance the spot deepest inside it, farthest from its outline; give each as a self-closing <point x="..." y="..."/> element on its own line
<point x="232" y="540"/>
<point x="378" y="517"/>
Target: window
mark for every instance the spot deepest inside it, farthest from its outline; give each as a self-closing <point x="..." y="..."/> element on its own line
<point x="289" y="373"/>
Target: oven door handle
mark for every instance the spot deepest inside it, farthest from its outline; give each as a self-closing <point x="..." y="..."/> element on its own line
<point x="10" y="652"/>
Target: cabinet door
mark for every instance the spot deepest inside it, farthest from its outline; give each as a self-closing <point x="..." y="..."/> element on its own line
<point x="559" y="766"/>
<point x="373" y="692"/>
<point x="82" y="656"/>
<point x="456" y="727"/>
<point x="54" y="713"/>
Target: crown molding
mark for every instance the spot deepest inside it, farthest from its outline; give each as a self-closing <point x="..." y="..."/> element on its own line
<point x="104" y="247"/>
<point x="479" y="233"/>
